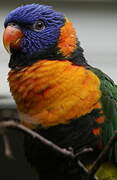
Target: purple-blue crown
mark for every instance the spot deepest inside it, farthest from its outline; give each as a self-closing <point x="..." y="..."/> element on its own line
<point x="30" y="13"/>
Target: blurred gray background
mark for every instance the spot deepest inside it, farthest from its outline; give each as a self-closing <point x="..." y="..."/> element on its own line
<point x="96" y="25"/>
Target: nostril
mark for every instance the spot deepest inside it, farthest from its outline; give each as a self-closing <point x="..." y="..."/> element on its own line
<point x="13" y="24"/>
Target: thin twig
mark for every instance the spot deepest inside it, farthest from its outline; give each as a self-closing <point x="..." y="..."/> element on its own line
<point x="13" y="124"/>
<point x="96" y="165"/>
<point x="7" y="147"/>
<point x="62" y="152"/>
<point x="85" y="150"/>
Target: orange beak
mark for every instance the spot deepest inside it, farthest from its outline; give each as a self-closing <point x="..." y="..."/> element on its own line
<point x="12" y="38"/>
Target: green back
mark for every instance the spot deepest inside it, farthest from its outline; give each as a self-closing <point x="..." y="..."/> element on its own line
<point x="109" y="103"/>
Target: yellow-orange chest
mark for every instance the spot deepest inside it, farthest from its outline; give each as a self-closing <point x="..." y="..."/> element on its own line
<point x="52" y="92"/>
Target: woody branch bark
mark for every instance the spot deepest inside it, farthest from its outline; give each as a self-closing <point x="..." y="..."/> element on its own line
<point x="88" y="175"/>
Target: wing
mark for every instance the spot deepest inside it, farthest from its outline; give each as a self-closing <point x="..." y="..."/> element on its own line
<point x="109" y="103"/>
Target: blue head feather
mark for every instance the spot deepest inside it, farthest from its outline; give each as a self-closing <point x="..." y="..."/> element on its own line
<point x="33" y="41"/>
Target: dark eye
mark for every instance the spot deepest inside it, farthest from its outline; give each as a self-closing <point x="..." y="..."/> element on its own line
<point x="39" y="26"/>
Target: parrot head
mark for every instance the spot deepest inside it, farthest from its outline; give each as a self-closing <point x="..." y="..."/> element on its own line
<point x="34" y="32"/>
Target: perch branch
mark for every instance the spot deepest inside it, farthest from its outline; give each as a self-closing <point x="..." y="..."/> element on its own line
<point x="63" y="152"/>
<point x="7" y="146"/>
<point x="86" y="150"/>
<point x="96" y="165"/>
<point x="13" y="124"/>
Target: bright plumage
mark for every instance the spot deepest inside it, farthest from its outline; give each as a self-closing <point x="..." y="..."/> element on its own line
<point x="56" y="91"/>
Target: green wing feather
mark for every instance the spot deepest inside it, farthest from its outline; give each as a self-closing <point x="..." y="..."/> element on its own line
<point x="109" y="103"/>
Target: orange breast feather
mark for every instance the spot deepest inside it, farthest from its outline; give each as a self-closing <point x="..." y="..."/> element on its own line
<point x="53" y="92"/>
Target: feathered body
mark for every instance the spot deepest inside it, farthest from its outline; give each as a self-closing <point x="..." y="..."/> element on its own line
<point x="57" y="93"/>
<point x="53" y="98"/>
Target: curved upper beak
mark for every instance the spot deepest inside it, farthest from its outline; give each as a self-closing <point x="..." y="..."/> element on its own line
<point x="12" y="37"/>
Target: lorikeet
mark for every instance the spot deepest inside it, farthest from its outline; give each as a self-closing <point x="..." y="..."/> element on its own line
<point x="57" y="93"/>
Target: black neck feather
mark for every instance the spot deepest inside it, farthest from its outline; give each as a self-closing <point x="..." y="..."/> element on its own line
<point x="19" y="60"/>
<point x="77" y="134"/>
